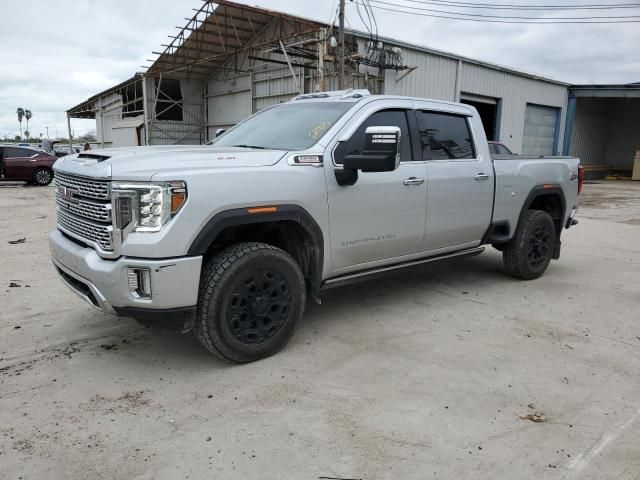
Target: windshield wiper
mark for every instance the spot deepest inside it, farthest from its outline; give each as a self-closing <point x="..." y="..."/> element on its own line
<point x="249" y="146"/>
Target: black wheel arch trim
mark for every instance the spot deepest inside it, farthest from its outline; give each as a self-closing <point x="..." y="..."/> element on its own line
<point x="536" y="191"/>
<point x="285" y="212"/>
<point x="543" y="190"/>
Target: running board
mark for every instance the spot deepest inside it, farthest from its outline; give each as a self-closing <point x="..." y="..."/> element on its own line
<point x="353" y="277"/>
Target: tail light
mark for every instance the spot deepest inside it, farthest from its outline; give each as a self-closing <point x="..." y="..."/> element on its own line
<point x="580" y="178"/>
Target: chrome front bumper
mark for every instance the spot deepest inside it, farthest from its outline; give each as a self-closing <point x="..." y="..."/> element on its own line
<point x="104" y="283"/>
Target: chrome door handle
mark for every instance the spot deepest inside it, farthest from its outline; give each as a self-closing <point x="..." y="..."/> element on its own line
<point x="413" y="181"/>
<point x="482" y="176"/>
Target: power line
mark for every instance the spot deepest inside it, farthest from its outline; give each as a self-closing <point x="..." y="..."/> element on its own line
<point x="543" y="20"/>
<point x="511" y="6"/>
<point x="509" y="17"/>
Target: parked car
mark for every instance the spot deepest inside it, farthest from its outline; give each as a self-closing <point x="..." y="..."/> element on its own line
<point x="230" y="239"/>
<point x="498" y="148"/>
<point x="27" y="164"/>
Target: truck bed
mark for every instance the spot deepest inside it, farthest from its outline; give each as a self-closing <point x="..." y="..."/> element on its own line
<point x="518" y="175"/>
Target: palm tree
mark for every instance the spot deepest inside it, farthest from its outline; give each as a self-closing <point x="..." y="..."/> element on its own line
<point x="20" y="112"/>
<point x="27" y="115"/>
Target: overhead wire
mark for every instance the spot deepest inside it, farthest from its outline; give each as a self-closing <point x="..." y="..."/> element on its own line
<point x="512" y="6"/>
<point x="507" y="19"/>
<point x="511" y="17"/>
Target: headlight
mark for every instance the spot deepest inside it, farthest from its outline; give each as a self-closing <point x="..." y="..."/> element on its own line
<point x="146" y="207"/>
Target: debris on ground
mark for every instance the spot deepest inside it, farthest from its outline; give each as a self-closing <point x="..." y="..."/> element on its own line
<point x="19" y="240"/>
<point x="108" y="346"/>
<point x="537" y="417"/>
<point x="14" y="284"/>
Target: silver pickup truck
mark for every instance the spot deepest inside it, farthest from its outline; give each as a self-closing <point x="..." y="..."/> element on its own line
<point x="230" y="239"/>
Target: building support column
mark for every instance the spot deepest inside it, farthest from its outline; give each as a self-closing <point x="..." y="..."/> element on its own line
<point x="568" y="126"/>
<point x="456" y="94"/>
<point x="145" y="106"/>
<point x="70" y="139"/>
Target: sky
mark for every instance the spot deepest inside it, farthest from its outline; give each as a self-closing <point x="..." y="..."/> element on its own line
<point x="55" y="54"/>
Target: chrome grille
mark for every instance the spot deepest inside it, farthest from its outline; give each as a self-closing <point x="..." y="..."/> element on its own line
<point x="95" y="232"/>
<point x="96" y="189"/>
<point x="84" y="209"/>
<point x="95" y="211"/>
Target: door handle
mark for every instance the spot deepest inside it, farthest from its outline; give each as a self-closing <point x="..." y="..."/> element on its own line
<point x="481" y="176"/>
<point x="413" y="181"/>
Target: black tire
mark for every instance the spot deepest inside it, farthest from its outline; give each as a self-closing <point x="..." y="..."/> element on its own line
<point x="528" y="253"/>
<point x="42" y="176"/>
<point x="251" y="298"/>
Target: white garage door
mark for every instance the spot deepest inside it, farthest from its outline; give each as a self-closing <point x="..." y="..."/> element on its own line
<point x="540" y="125"/>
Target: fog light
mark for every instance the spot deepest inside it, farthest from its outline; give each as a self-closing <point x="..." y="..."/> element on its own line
<point x="139" y="282"/>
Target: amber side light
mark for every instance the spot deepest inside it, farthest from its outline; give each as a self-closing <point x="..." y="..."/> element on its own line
<point x="547" y="185"/>
<point x="256" y="210"/>
<point x="177" y="200"/>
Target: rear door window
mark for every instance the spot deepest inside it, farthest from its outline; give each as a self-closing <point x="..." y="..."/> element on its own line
<point x="17" y="152"/>
<point x="445" y="136"/>
<point x="502" y="150"/>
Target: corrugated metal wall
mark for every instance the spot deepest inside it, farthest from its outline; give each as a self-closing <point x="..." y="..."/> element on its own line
<point x="109" y="111"/>
<point x="589" y="131"/>
<point x="515" y="92"/>
<point x="606" y="132"/>
<point x="435" y="77"/>
<point x="623" y="132"/>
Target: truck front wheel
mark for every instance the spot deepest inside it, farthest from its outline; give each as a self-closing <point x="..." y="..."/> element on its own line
<point x="528" y="253"/>
<point x="251" y="298"/>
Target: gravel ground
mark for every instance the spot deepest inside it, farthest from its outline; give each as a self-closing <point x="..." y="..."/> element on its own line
<point x="448" y="371"/>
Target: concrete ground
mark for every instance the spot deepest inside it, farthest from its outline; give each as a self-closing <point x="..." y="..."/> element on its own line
<point x="449" y="371"/>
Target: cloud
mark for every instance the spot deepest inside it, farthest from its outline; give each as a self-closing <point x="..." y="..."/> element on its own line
<point x="56" y="54"/>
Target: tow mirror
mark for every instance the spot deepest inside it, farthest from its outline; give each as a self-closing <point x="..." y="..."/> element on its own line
<point x="220" y="131"/>
<point x="381" y="151"/>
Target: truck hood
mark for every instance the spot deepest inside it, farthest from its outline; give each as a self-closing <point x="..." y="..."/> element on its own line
<point x="142" y="163"/>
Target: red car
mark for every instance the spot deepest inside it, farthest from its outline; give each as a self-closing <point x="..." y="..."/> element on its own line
<point x="27" y="164"/>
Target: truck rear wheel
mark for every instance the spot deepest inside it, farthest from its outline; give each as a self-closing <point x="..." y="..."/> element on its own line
<point x="251" y="298"/>
<point x="528" y="253"/>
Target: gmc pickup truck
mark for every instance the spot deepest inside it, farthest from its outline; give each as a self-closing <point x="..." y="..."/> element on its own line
<point x="230" y="239"/>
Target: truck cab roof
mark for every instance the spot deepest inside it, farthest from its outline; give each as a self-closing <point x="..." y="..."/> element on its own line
<point x="364" y="96"/>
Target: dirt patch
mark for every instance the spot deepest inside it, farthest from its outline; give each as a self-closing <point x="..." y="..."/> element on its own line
<point x="125" y="403"/>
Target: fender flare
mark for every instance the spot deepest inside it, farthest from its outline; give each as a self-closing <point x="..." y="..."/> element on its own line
<point x="285" y="212"/>
<point x="542" y="190"/>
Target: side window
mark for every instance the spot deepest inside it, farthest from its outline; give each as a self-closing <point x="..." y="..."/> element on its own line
<point x="493" y="149"/>
<point x="503" y="150"/>
<point x="445" y="136"/>
<point x="14" y="152"/>
<point x="383" y="118"/>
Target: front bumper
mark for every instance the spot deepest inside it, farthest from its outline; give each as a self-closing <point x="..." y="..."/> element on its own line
<point x="104" y="283"/>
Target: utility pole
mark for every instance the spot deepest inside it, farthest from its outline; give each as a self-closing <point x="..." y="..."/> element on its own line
<point x="341" y="82"/>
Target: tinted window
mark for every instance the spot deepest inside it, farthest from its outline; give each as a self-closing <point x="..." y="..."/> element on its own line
<point x="503" y="150"/>
<point x="445" y="136"/>
<point x="15" y="152"/>
<point x="493" y="148"/>
<point x="383" y="118"/>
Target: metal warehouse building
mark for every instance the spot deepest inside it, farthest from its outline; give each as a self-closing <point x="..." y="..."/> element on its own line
<point x="231" y="60"/>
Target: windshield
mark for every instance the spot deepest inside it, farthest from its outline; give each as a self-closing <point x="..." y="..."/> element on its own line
<point x="286" y="127"/>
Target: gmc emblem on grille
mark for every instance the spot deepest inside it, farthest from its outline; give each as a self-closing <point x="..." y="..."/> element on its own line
<point x="68" y="194"/>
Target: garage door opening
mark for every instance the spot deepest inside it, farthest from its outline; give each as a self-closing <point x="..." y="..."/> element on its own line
<point x="541" y="125"/>
<point x="488" y="109"/>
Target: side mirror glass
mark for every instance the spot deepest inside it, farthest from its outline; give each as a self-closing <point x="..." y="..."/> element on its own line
<point x="381" y="151"/>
